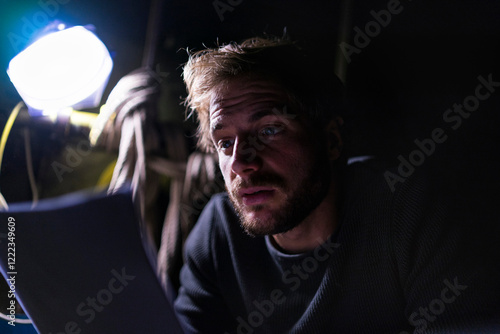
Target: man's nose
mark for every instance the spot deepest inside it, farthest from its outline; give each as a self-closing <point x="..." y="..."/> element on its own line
<point x="245" y="158"/>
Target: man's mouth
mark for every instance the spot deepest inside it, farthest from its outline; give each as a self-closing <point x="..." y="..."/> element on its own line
<point x="256" y="195"/>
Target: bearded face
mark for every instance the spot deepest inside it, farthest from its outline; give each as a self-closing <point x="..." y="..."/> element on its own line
<point x="275" y="170"/>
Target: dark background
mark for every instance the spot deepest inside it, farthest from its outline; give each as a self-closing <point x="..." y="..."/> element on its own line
<point x="426" y="59"/>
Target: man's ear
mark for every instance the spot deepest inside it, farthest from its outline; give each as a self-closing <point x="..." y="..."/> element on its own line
<point x="335" y="143"/>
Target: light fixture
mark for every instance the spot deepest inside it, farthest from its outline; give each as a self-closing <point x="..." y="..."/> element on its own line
<point x="65" y="69"/>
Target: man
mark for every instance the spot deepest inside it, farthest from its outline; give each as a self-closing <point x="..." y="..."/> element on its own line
<point x="301" y="242"/>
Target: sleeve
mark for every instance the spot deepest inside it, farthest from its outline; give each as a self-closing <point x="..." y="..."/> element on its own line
<point x="199" y="305"/>
<point x="447" y="260"/>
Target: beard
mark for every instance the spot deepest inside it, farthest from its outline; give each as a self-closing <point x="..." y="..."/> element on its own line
<point x="297" y="202"/>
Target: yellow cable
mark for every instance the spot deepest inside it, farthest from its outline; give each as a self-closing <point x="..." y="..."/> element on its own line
<point x="82" y="118"/>
<point x="106" y="175"/>
<point x="3" y="141"/>
<point x="7" y="128"/>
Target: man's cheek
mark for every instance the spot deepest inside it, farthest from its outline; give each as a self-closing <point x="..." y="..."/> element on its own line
<point x="225" y="168"/>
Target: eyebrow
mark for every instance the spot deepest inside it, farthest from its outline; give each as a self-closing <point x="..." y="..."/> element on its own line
<point x="273" y="110"/>
<point x="216" y="126"/>
<point x="261" y="114"/>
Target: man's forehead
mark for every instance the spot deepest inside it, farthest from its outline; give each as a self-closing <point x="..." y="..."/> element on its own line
<point x="238" y="95"/>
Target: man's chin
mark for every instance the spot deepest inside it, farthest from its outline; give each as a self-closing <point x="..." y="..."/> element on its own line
<point x="255" y="230"/>
<point x="262" y="222"/>
<point x="263" y="219"/>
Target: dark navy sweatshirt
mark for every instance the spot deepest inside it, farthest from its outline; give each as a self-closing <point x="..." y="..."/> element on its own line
<point x="400" y="261"/>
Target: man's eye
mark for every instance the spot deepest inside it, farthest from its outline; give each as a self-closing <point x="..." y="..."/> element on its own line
<point x="271" y="130"/>
<point x="224" y="144"/>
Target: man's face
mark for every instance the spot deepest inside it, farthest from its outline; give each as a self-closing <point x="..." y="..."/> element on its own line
<point x="275" y="169"/>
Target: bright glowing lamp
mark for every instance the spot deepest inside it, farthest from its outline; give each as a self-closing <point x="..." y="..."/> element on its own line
<point x="66" y="68"/>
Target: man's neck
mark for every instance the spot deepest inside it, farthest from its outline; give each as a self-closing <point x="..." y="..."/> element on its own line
<point x="314" y="230"/>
